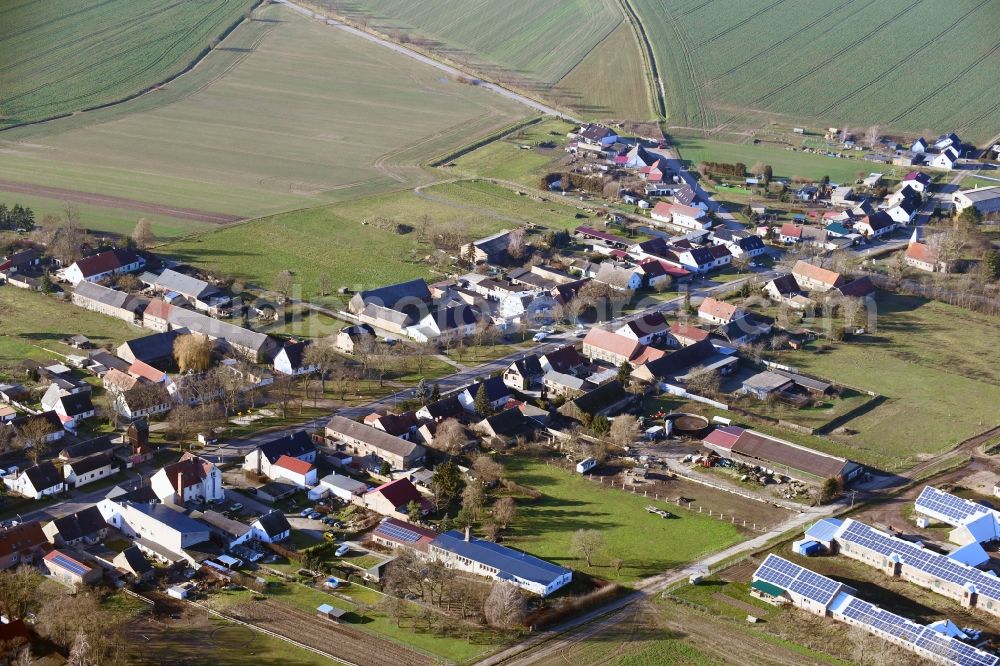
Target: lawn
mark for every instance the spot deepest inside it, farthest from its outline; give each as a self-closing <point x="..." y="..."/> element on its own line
<point x="786" y="163"/>
<point x="645" y="542"/>
<point x="32" y="324"/>
<point x="934" y="364"/>
<point x="336" y="240"/>
<point x="506" y="160"/>
<point x="287" y="113"/>
<point x="910" y="65"/>
<point x="554" y="50"/>
<point x="60" y="57"/>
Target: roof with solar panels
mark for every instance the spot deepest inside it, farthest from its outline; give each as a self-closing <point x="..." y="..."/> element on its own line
<point x="404" y="534"/>
<point x="981" y="522"/>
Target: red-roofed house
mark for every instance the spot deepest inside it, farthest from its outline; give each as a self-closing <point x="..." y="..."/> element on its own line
<point x="652" y="173"/>
<point x="682" y="335"/>
<point x="921" y="256"/>
<point x="607" y="346"/>
<point x="190" y="478"/>
<point x="141" y="369"/>
<point x="814" y="278"/>
<point x="718" y="312"/>
<point x="299" y="472"/>
<point x="20" y="543"/>
<point x="722" y="438"/>
<point x="790" y="233"/>
<point x="99" y="266"/>
<point x="392" y="499"/>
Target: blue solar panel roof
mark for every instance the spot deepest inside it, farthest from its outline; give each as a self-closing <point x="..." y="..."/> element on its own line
<point x="947" y="507"/>
<point x="790" y="576"/>
<point x="507" y="561"/>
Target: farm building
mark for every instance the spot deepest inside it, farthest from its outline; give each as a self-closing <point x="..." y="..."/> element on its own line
<point x="363" y="440"/>
<point x="985" y="199"/>
<point x="792" y="460"/>
<point x="69" y="570"/>
<point x="972" y="522"/>
<point x="102" y="265"/>
<point x="107" y="301"/>
<point x="394" y="534"/>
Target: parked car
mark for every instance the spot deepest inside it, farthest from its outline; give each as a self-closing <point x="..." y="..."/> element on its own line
<point x="304" y="513"/>
<point x="315" y="515"/>
<point x="343" y="550"/>
<point x="329" y="536"/>
<point x="541" y="335"/>
<point x="235" y="506"/>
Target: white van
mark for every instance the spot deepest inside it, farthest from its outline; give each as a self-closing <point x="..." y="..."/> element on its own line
<point x="586" y="465"/>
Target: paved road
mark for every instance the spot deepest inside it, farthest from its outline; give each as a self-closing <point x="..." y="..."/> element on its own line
<point x="500" y="90"/>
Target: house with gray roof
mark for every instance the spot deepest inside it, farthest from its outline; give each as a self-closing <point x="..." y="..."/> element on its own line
<point x="110" y="302"/>
<point x="490" y="250"/>
<point x="253" y="346"/>
<point x="198" y="293"/>
<point x="362" y="440"/>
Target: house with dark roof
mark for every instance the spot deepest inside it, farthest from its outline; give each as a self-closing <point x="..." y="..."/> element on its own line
<point x="497" y="392"/>
<point x="523" y="373"/>
<point x="439" y="410"/>
<point x="73" y="409"/>
<point x="103" y="265"/>
<point x="156" y="349"/>
<point x="144" y="399"/>
<point x="90" y="468"/>
<point x="363" y="440"/>
<point x="740" y="243"/>
<point x="782" y="287"/>
<point x="224" y="531"/>
<point x="491" y="250"/>
<point x="861" y="287"/>
<point x="47" y="423"/>
<point x="485" y="558"/>
<point x="291" y="359"/>
<point x="133" y="562"/>
<point x="596" y="135"/>
<point x="605" y="400"/>
<point x="354" y="338"/>
<point x="393" y="498"/>
<point x="793" y="460"/>
<point x="192" y="478"/>
<point x="875" y="225"/>
<point x="402" y="425"/>
<point x="566" y="360"/>
<point x="744" y="330"/>
<point x="271" y="528"/>
<point x="106" y="301"/>
<point x="677" y="366"/>
<point x="295" y="445"/>
<point x="36" y="482"/>
<point x="506" y="425"/>
<point x="86" y="526"/>
<point x="411" y="299"/>
<point x="451" y="322"/>
<point x="21" y="544"/>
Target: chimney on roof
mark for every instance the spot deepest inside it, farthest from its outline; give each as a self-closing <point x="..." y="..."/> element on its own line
<point x="466" y="532"/>
<point x="180" y="487"/>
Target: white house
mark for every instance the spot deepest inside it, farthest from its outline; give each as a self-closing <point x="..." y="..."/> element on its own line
<point x="903" y="212"/>
<point x="718" y="312"/>
<point x="73" y="409"/>
<point x="985" y="199"/>
<point x="36" y="482"/>
<point x="497" y="393"/>
<point x="645" y="329"/>
<point x="160" y="530"/>
<point x="90" y="468"/>
<point x="291" y="359"/>
<point x="875" y="225"/>
<point x="190" y="478"/>
<point x="271" y="528"/>
<point x="946" y="159"/>
<point x="680" y="215"/>
<point x="297" y="445"/>
<point x="99" y="266"/>
<point x="917" y="180"/>
<point x="299" y="472"/>
<point x="342" y="487"/>
<point x="623" y="278"/>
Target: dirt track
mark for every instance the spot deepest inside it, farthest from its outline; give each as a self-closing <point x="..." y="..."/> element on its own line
<point x="106" y="201"/>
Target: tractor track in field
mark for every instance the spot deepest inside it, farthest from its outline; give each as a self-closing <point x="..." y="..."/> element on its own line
<point x="934" y="93"/>
<point x="926" y="45"/>
<point x="695" y="8"/>
<point x="739" y="24"/>
<point x="121" y="203"/>
<point x="774" y="45"/>
<point x="701" y="109"/>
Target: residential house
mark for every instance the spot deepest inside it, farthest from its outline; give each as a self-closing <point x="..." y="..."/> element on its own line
<point x="919" y="146"/>
<point x="295" y="445"/>
<point x="505" y="426"/>
<point x="144" y="399"/>
<point x="402" y="425"/>
<point x="605" y="400"/>
<point x="745" y="329"/>
<point x="451" y="322"/>
<point x="557" y="384"/>
<point x="90" y="468"/>
<point x="603" y="345"/>
<point x="875" y="225"/>
<point x="394" y="498"/>
<point x="439" y="410"/>
<point x="355" y="338"/>
<point x="198" y="293"/>
<point x="100" y="266"/>
<point x="291" y="360"/>
<point x="985" y="199"/>
<point x="22" y="261"/>
<point x="842" y="196"/>
<point x="949" y="140"/>
<point x="653" y="173"/>
<point x="21" y="544"/>
<point x="596" y="135"/>
<point x="485" y="558"/>
<point x="86" y="526"/>
<point x="497" y="392"/>
<point x="251" y="345"/>
<point x="782" y="288"/>
<point x="946" y="159"/>
<point x="73" y="409"/>
<point x="161" y="531"/>
<point x="51" y="431"/>
<point x="645" y="329"/>
<point x="363" y="440"/>
<point x="565" y="359"/>
<point x="523" y="373"/>
<point x="680" y="215"/>
<point x="790" y="233"/>
<point x="396" y="534"/>
<point x="739" y="243"/>
<point x="904" y="211"/>
<point x="299" y="472"/>
<point x="701" y="356"/>
<point x="490" y="250"/>
<point x="7" y="413"/>
<point x="564" y="293"/>
<point x="69" y="570"/>
<point x="620" y="277"/>
<point x="922" y="257"/>
<point x="107" y="301"/>
<point x="36" y="482"/>
<point x="683" y="335"/>
<point x="814" y="278"/>
<point x="156" y="349"/>
<point x="342" y="487"/>
<point x="719" y="312"/>
<point x="652" y="272"/>
<point x="192" y="478"/>
<point x="133" y="562"/>
<point x="861" y="287"/>
<point x="411" y="299"/>
<point x="224" y="531"/>
<point x="271" y="528"/>
<point x="917" y="180"/>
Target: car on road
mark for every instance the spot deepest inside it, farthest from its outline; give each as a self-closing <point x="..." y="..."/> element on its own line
<point x="235" y="506"/>
<point x="343" y="550"/>
<point x="304" y="513"/>
<point x="541" y="335"/>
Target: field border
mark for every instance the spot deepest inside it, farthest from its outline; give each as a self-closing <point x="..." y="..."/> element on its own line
<point x="653" y="80"/>
<point x="201" y="55"/>
<point x="497" y="135"/>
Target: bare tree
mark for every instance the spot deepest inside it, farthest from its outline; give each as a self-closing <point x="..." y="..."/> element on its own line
<point x="516" y="244"/>
<point x="182" y="422"/>
<point x="504" y="511"/>
<point x="283" y="283"/>
<point x="324" y="356"/>
<point x="624" y="430"/>
<point x="19" y="591"/>
<point x="706" y="382"/>
<point x="505" y="607"/>
<point x="587" y="544"/>
<point x="324" y="284"/>
<point x="143" y="234"/>
<point x="31" y="436"/>
<point x="872" y="135"/>
<point x="282" y="392"/>
<point x="450" y="436"/>
<point x="473" y="500"/>
<point x="487" y="470"/>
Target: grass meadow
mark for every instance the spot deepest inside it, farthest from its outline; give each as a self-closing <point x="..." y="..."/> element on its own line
<point x="60" y="57"/>
<point x="286" y="113"/>
<point x="332" y="240"/>
<point x="647" y="543"/>
<point x="905" y="65"/>
<point x="579" y="54"/>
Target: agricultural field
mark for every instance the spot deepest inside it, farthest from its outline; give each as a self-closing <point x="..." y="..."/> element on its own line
<point x="907" y="65"/>
<point x="504" y="159"/>
<point x="333" y="240"/>
<point x="60" y="57"/>
<point x="287" y="113"/>
<point x="32" y="324"/>
<point x="554" y="50"/>
<point x="646" y="543"/>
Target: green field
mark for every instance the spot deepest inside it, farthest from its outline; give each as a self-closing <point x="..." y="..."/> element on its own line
<point x="287" y="113"/>
<point x="62" y="56"/>
<point x="32" y="324"/>
<point x="332" y="240"/>
<point x="506" y="160"/>
<point x="906" y="65"/>
<point x="554" y="50"/>
<point x="645" y="542"/>
<point x="933" y="362"/>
